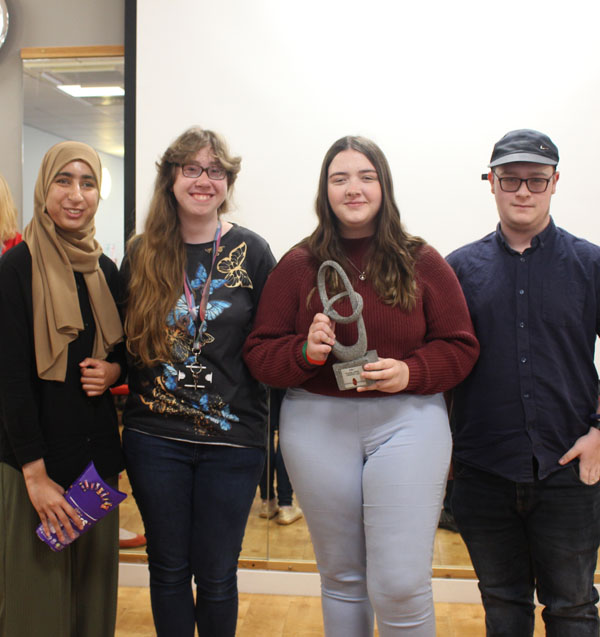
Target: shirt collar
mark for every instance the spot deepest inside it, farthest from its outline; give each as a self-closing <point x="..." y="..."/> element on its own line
<point x="540" y="240"/>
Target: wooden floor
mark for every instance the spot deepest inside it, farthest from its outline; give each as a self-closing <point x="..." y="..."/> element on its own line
<point x="265" y="539"/>
<point x="284" y="616"/>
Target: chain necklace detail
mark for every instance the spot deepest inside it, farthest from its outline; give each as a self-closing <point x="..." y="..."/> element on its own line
<point x="362" y="274"/>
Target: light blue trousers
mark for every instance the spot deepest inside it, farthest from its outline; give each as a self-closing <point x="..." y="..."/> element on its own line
<point x="370" y="474"/>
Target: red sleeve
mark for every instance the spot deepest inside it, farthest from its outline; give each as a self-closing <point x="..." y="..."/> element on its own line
<point x="273" y="350"/>
<point x="438" y="345"/>
<point x="450" y="348"/>
<point x="11" y="243"/>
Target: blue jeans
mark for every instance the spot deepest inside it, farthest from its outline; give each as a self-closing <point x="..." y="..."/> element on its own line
<point x="275" y="464"/>
<point x="194" y="500"/>
<point x="542" y="535"/>
<point x="267" y="481"/>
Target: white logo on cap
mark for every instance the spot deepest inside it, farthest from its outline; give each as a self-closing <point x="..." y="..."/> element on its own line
<point x="542" y="147"/>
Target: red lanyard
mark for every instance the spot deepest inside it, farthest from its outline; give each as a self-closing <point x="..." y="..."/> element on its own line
<point x="199" y="317"/>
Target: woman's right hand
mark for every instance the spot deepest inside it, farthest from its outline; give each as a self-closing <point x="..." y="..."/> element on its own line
<point x="47" y="499"/>
<point x="321" y="337"/>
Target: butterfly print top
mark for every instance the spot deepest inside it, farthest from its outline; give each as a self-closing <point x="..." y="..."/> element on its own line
<point x="211" y="397"/>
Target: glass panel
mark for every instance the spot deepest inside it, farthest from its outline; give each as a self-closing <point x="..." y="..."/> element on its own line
<point x="52" y="115"/>
<point x="256" y="538"/>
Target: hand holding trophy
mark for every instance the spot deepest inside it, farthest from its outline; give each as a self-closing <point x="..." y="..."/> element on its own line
<point x="353" y="357"/>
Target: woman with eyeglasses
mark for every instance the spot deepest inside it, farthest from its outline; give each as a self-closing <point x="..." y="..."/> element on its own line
<point x="195" y="420"/>
<point x="61" y="349"/>
<point x="368" y="462"/>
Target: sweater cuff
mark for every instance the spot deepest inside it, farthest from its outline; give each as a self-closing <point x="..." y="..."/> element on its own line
<point x="415" y="375"/>
<point x="301" y="361"/>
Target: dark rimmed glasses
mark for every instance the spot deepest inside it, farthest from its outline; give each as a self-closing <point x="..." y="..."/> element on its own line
<point x="195" y="170"/>
<point x="535" y="185"/>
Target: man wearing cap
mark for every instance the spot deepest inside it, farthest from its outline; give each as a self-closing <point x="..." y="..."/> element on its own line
<point x="526" y="447"/>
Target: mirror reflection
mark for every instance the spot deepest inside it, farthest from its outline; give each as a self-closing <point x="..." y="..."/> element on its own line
<point x="80" y="99"/>
<point x="53" y="111"/>
<point x="56" y="109"/>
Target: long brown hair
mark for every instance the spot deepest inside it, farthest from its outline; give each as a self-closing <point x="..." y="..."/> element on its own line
<point x="391" y="258"/>
<point x="157" y="257"/>
<point x="8" y="213"/>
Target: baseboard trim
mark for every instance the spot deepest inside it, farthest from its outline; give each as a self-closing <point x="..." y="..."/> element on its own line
<point x="265" y="582"/>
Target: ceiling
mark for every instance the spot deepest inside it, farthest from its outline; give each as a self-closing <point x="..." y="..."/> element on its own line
<point x="97" y="121"/>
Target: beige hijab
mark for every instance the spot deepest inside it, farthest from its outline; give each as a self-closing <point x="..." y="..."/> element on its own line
<point x="55" y="255"/>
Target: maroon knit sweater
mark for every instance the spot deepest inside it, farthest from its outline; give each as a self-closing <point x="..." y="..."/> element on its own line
<point x="436" y="339"/>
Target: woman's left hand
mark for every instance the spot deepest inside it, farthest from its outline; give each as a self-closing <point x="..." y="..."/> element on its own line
<point x="97" y="375"/>
<point x="389" y="374"/>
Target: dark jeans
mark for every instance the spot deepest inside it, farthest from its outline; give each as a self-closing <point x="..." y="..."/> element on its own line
<point x="276" y="466"/>
<point x="542" y="535"/>
<point x="194" y="500"/>
<point x="447" y="506"/>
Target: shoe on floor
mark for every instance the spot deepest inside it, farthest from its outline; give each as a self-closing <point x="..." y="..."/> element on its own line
<point x="289" y="514"/>
<point x="447" y="522"/>
<point x="268" y="508"/>
<point x="130" y="540"/>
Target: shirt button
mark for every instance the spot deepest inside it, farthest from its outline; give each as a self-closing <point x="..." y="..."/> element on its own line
<point x="526" y="395"/>
<point x="523" y="359"/>
<point x="522" y="259"/>
<point x="521" y="291"/>
<point x="521" y="324"/>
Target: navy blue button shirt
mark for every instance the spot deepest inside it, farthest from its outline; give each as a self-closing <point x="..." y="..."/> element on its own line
<point x="536" y="315"/>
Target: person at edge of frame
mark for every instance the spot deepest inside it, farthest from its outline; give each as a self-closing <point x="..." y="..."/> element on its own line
<point x="9" y="236"/>
<point x="61" y="347"/>
<point x="526" y="445"/>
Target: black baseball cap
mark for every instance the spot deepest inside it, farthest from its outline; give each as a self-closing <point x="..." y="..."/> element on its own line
<point x="524" y="145"/>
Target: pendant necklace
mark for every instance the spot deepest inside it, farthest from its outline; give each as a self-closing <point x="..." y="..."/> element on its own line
<point x="362" y="274"/>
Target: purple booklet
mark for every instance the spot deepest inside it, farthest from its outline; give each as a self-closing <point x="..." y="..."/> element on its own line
<point x="92" y="498"/>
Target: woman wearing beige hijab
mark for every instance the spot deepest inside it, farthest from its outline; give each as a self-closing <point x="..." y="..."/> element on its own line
<point x="59" y="326"/>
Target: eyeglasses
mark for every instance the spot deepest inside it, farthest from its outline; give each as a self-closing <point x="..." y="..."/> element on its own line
<point x="195" y="170"/>
<point x="534" y="184"/>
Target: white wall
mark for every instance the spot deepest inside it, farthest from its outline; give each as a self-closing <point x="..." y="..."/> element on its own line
<point x="435" y="84"/>
<point x="109" y="218"/>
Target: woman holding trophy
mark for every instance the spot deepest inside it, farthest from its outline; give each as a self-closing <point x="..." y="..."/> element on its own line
<point x="367" y="444"/>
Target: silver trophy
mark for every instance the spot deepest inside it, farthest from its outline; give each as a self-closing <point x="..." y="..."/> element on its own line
<point x="353" y="357"/>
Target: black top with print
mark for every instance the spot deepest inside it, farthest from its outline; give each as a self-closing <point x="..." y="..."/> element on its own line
<point x="211" y="398"/>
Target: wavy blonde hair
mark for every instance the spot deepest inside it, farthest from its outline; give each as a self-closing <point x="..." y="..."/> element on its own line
<point x="8" y="213"/>
<point x="157" y="258"/>
<point x="391" y="258"/>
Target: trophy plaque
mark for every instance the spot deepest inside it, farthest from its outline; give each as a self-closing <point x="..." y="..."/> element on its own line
<point x="352" y="357"/>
